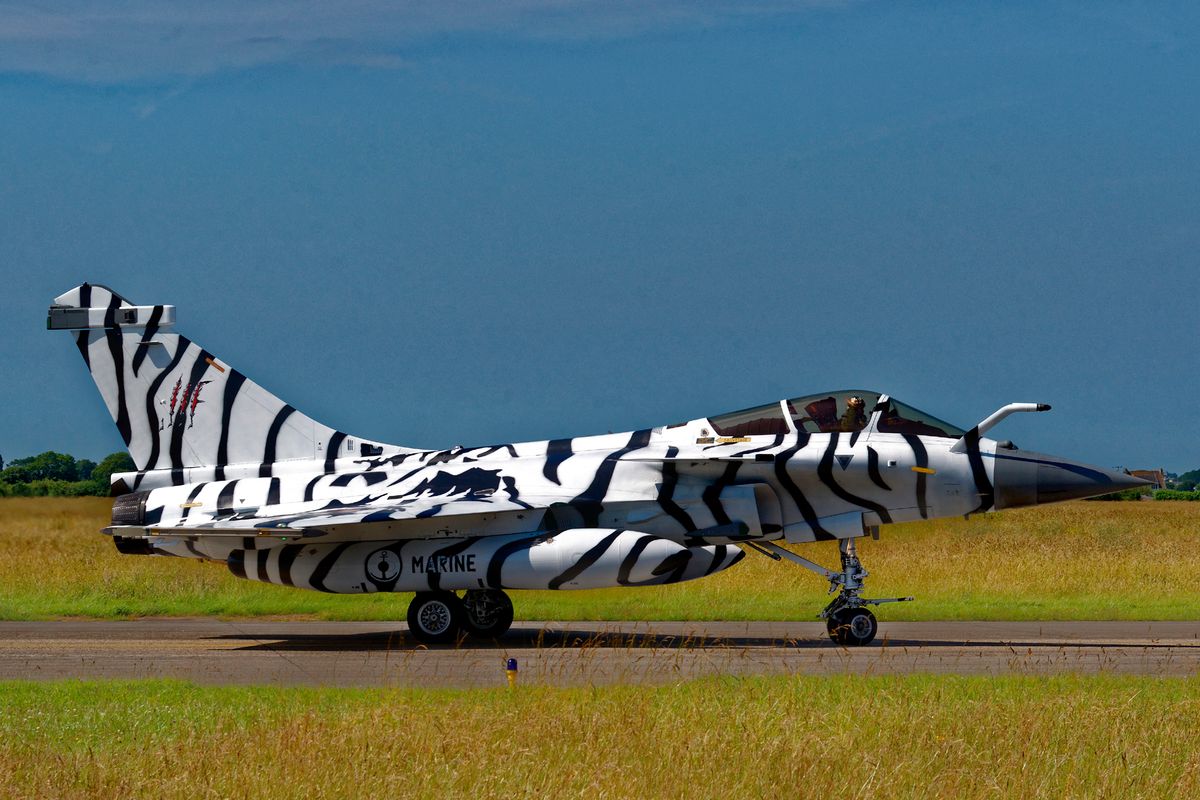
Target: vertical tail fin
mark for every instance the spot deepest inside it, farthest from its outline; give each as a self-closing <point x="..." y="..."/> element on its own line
<point x="178" y="406"/>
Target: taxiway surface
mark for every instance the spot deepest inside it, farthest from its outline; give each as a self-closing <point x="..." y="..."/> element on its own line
<point x="577" y="653"/>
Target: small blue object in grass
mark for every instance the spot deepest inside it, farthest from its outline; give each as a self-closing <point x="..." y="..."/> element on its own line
<point x="510" y="670"/>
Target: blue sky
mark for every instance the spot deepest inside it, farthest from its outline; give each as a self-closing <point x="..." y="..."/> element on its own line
<point x="468" y="223"/>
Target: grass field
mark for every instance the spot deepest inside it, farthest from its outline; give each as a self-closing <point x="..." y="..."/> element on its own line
<point x="898" y="737"/>
<point x="1074" y="561"/>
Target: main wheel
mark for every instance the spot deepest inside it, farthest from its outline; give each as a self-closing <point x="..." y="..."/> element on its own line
<point x="488" y="613"/>
<point x="852" y="626"/>
<point x="435" y="617"/>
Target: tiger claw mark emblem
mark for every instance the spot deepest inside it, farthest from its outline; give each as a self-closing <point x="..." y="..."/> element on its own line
<point x="196" y="401"/>
<point x="183" y="408"/>
<point x="175" y="397"/>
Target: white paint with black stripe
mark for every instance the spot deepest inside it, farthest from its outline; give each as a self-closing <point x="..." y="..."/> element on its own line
<point x="230" y="472"/>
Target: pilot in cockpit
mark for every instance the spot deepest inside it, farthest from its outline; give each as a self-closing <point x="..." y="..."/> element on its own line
<point x="855" y="416"/>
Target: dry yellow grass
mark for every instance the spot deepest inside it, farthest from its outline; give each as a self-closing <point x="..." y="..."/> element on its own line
<point x="850" y="736"/>
<point x="1079" y="560"/>
<point x="900" y="737"/>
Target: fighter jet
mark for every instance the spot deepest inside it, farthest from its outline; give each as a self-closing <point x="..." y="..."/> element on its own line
<point x="228" y="472"/>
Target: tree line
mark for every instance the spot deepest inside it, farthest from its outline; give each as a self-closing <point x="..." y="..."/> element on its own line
<point x="1187" y="482"/>
<point x="52" y="474"/>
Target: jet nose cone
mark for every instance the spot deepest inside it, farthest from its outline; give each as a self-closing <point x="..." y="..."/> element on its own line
<point x="1026" y="479"/>
<point x="1067" y="480"/>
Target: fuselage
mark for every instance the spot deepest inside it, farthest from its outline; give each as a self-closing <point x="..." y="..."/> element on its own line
<point x="672" y="482"/>
<point x="677" y="498"/>
<point x="228" y="471"/>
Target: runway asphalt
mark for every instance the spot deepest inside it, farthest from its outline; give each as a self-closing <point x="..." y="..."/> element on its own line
<point x="213" y="651"/>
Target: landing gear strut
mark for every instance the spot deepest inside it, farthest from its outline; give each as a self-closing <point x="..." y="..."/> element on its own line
<point x="439" y="617"/>
<point x="847" y="618"/>
<point x="489" y="613"/>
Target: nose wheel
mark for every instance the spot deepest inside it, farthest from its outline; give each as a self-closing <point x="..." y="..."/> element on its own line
<point x="852" y="626"/>
<point x="847" y="619"/>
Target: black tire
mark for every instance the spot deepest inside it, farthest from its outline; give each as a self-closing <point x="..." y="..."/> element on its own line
<point x="487" y="613"/>
<point x="852" y="627"/>
<point x="435" y="617"/>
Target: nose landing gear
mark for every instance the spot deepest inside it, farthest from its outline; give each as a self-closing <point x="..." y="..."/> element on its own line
<point x="852" y="626"/>
<point x="847" y="618"/>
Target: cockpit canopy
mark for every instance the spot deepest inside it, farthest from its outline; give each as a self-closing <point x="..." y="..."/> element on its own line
<point x="846" y="411"/>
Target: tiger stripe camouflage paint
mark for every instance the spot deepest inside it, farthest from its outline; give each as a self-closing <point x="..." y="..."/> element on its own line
<point x="229" y="472"/>
<point x="571" y="559"/>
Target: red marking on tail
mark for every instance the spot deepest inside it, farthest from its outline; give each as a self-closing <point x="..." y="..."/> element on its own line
<point x="175" y="396"/>
<point x="196" y="401"/>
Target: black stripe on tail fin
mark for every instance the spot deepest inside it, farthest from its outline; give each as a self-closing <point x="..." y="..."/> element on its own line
<point x="176" y="405"/>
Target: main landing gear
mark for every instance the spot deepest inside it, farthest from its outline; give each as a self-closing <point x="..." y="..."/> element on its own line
<point x="439" y="617"/>
<point x="847" y="618"/>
